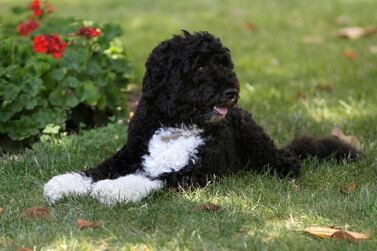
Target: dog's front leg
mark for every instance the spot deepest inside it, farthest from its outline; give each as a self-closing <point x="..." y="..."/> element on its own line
<point x="80" y="183"/>
<point x="129" y="188"/>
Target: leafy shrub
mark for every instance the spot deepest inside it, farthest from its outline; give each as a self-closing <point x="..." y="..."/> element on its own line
<point x="59" y="80"/>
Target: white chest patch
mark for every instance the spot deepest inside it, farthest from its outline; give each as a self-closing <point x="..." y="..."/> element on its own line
<point x="171" y="149"/>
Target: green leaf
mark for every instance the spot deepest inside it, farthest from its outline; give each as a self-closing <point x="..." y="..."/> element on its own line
<point x="116" y="50"/>
<point x="63" y="97"/>
<point x="22" y="128"/>
<point x="10" y="91"/>
<point x="31" y="104"/>
<point x="94" y="69"/>
<point x="58" y="74"/>
<point x="88" y="93"/>
<point x="110" y="31"/>
<point x="71" y="59"/>
<point x="55" y="116"/>
<point x="70" y="82"/>
<point x="51" y="129"/>
<point x="38" y="67"/>
<point x="75" y="58"/>
<point x="33" y="86"/>
<point x="9" y="110"/>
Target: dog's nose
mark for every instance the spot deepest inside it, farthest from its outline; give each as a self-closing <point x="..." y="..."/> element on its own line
<point x="230" y="93"/>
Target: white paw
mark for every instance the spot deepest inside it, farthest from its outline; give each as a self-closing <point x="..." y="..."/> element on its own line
<point x="70" y="183"/>
<point x="129" y="188"/>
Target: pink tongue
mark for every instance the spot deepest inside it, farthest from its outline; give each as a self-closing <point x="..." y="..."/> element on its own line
<point x="221" y="110"/>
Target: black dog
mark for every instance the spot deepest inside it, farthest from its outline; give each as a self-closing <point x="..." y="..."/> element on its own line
<point x="186" y="129"/>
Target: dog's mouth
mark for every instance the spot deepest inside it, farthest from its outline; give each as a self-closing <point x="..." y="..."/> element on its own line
<point x="220" y="110"/>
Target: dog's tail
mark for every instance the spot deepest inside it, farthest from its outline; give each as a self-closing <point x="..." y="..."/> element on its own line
<point x="322" y="148"/>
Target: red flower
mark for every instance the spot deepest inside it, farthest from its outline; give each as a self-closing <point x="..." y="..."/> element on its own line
<point x="88" y="32"/>
<point x="25" y="28"/>
<point x="50" y="44"/>
<point x="40" y="8"/>
<point x="36" y="7"/>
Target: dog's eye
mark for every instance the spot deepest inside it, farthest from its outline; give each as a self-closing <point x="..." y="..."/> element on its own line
<point x="201" y="69"/>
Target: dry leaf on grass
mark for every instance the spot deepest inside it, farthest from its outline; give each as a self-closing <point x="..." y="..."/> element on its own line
<point x="373" y="49"/>
<point x="248" y="26"/>
<point x="1" y="210"/>
<point x="207" y="207"/>
<point x="312" y="39"/>
<point x="350" y="139"/>
<point x="83" y="224"/>
<point x="301" y="95"/>
<point x="130" y="115"/>
<point x="24" y="249"/>
<point x="350" y="236"/>
<point x="324" y="87"/>
<point x="36" y="213"/>
<point x="321" y="232"/>
<point x="349" y="189"/>
<point x="342" y="20"/>
<point x="327" y="232"/>
<point x="293" y="185"/>
<point x="138" y="247"/>
<point x="350" y="54"/>
<point x="356" y="32"/>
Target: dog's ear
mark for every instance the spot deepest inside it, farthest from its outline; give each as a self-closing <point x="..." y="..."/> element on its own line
<point x="155" y="70"/>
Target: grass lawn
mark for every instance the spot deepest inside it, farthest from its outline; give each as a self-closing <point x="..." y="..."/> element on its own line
<point x="295" y="79"/>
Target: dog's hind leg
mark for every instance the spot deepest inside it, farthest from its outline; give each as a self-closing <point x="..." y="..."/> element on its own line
<point x="322" y="148"/>
<point x="258" y="149"/>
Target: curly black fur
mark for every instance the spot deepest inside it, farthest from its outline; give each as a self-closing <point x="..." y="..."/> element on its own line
<point x="187" y="77"/>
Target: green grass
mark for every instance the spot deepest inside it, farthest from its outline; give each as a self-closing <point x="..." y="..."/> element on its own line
<point x="260" y="212"/>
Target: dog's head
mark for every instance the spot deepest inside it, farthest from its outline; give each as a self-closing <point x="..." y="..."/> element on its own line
<point x="190" y="79"/>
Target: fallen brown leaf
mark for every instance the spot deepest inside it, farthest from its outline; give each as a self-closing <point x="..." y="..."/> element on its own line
<point x="356" y="32"/>
<point x="293" y="185"/>
<point x="207" y="207"/>
<point x="312" y="39"/>
<point x="321" y="232"/>
<point x="1" y="210"/>
<point x="133" y="99"/>
<point x="327" y="232"/>
<point x="342" y="20"/>
<point x="349" y="139"/>
<point x="301" y="95"/>
<point x="324" y="87"/>
<point x="83" y="224"/>
<point x="24" y="249"/>
<point x="373" y="49"/>
<point x="249" y="26"/>
<point x="350" y="54"/>
<point x="349" y="188"/>
<point x="36" y="213"/>
<point x="130" y="115"/>
<point x="350" y="236"/>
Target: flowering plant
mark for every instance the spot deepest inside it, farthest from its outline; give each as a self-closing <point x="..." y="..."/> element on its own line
<point x="59" y="71"/>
